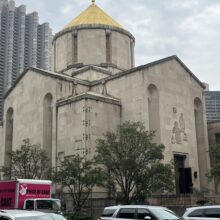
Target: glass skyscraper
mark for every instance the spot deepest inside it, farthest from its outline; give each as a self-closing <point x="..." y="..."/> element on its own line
<point x="212" y="101"/>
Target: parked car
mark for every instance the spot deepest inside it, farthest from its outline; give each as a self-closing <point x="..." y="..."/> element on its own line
<point x="56" y="216"/>
<point x="211" y="212"/>
<point x="142" y="212"/>
<point x="15" y="214"/>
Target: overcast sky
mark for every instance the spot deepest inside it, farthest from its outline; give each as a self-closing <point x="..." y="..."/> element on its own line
<point x="189" y="29"/>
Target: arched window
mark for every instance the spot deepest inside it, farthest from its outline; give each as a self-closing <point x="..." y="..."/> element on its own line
<point x="47" y="124"/>
<point x="153" y="111"/>
<point x="8" y="136"/>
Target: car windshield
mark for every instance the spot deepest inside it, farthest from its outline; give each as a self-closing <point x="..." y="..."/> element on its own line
<point x="164" y="214"/>
<point x="40" y="217"/>
<point x="48" y="205"/>
<point x="108" y="212"/>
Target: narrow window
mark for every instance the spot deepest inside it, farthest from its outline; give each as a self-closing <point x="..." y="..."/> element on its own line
<point x="132" y="53"/>
<point x="75" y="47"/>
<point x="47" y="125"/>
<point x="8" y="136"/>
<point x="108" y="48"/>
<point x="200" y="138"/>
<point x="153" y="111"/>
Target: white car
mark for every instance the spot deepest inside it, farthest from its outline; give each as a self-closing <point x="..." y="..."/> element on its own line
<point x="140" y="212"/>
<point x="14" y="214"/>
<point x="203" y="213"/>
<point x="56" y="216"/>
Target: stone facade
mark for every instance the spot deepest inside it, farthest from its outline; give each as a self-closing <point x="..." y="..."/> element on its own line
<point x="67" y="110"/>
<point x="214" y="132"/>
<point x="69" y="47"/>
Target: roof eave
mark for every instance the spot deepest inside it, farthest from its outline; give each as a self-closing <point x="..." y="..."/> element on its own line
<point x="93" y="26"/>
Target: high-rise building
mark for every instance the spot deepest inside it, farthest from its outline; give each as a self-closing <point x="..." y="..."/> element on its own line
<point x="23" y="43"/>
<point x="212" y="101"/>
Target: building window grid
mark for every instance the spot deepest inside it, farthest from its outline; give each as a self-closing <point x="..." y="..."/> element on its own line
<point x="212" y="101"/>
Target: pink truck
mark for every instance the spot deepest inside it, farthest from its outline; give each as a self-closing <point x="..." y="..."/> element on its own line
<point x="28" y="194"/>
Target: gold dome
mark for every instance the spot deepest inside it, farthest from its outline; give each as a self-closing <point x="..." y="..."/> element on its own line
<point x="93" y="15"/>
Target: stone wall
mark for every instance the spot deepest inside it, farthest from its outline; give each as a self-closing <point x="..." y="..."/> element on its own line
<point x="177" y="91"/>
<point x="213" y="129"/>
<point x="27" y="103"/>
<point x="81" y="121"/>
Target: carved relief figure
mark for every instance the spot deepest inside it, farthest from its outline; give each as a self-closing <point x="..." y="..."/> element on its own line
<point x="178" y="131"/>
<point x="182" y="123"/>
<point x="182" y="127"/>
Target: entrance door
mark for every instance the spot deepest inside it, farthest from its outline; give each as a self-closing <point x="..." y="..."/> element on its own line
<point x="183" y="175"/>
<point x="185" y="180"/>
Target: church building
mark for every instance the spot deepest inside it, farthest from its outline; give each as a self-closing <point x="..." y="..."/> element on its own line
<point x="95" y="86"/>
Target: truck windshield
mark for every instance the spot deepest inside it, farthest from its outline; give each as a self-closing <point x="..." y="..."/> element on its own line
<point x="53" y="205"/>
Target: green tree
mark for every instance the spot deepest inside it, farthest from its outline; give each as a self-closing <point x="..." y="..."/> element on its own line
<point x="132" y="163"/>
<point x="78" y="175"/>
<point x="28" y="162"/>
<point x="214" y="172"/>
